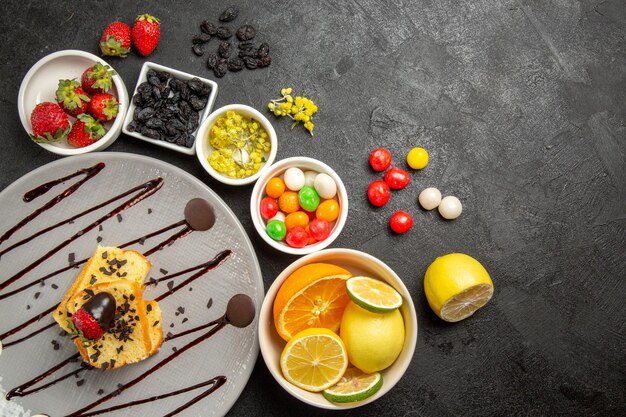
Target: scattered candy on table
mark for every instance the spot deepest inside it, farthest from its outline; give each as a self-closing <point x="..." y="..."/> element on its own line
<point x="300" y="207"/>
<point x="397" y="178"/>
<point x="401" y="222"/>
<point x="417" y="158"/>
<point x="378" y="193"/>
<point x="450" y="208"/>
<point x="380" y="159"/>
<point x="430" y="198"/>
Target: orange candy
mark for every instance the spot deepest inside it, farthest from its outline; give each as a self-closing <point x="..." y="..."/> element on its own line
<point x="297" y="218"/>
<point x="288" y="202"/>
<point x="328" y="210"/>
<point x="275" y="187"/>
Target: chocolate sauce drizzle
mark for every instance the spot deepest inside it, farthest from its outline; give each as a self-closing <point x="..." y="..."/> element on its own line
<point x="149" y="188"/>
<point x="44" y="188"/>
<point x="214" y="383"/>
<point x="22" y="389"/>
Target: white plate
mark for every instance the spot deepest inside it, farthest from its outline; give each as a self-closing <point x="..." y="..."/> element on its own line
<point x="231" y="351"/>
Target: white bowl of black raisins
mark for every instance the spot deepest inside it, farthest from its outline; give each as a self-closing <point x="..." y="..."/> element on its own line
<point x="168" y="106"/>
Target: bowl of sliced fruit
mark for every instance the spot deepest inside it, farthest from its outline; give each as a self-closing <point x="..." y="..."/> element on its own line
<point x="337" y="329"/>
<point x="72" y="102"/>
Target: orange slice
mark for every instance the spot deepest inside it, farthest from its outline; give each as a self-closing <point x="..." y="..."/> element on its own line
<point x="312" y="296"/>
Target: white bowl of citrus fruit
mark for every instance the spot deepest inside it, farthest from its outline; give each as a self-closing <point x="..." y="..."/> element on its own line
<point x="337" y="329"/>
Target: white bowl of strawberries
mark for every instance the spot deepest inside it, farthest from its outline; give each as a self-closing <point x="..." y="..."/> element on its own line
<point x="72" y="102"/>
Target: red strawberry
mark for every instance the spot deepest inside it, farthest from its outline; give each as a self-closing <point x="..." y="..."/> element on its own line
<point x="87" y="325"/>
<point x="49" y="122"/>
<point x="97" y="78"/>
<point x="71" y="97"/>
<point x="115" y="40"/>
<point x="103" y="107"/>
<point x="86" y="130"/>
<point x="146" y="33"/>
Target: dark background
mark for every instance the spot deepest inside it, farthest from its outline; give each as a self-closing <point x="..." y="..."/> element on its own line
<point x="522" y="107"/>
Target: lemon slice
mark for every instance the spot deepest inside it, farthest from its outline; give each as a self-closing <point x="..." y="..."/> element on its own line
<point x="314" y="359"/>
<point x="354" y="385"/>
<point x="456" y="286"/>
<point x="373" y="295"/>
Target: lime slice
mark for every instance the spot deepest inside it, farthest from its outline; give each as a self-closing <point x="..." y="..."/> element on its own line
<point x="373" y="295"/>
<point x="354" y="386"/>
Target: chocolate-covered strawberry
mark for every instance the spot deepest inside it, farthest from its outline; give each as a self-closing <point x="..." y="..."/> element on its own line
<point x="94" y="317"/>
<point x="49" y="123"/>
<point x="103" y="107"/>
<point x="97" y="78"/>
<point x="71" y="97"/>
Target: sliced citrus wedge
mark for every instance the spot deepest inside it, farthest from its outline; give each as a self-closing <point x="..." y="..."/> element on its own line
<point x="354" y="385"/>
<point x="314" y="359"/>
<point x="465" y="303"/>
<point x="373" y="295"/>
<point x="313" y="296"/>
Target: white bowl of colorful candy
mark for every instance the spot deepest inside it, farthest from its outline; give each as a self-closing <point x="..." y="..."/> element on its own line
<point x="299" y="205"/>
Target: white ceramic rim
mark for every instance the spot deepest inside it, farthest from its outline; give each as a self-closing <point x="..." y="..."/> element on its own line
<point x="122" y="98"/>
<point x="266" y="326"/>
<point x="208" y="122"/>
<point x="178" y="74"/>
<point x="257" y="194"/>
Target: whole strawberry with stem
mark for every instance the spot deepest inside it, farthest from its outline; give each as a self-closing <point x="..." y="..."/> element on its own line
<point x="85" y="131"/>
<point x="115" y="40"/>
<point x="49" y="123"/>
<point x="103" y="107"/>
<point x="146" y="33"/>
<point x="94" y="317"/>
<point x="71" y="97"/>
<point x="98" y="78"/>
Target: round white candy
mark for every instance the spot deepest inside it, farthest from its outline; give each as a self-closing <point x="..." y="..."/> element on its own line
<point x="325" y="186"/>
<point x="309" y="178"/>
<point x="429" y="198"/>
<point x="279" y="216"/>
<point x="450" y="208"/>
<point x="294" y="179"/>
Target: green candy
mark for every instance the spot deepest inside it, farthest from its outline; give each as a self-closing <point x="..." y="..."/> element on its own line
<point x="309" y="198"/>
<point x="276" y="229"/>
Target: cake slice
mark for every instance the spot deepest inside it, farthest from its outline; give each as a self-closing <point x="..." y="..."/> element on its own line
<point x="129" y="338"/>
<point x="105" y="265"/>
<point x="155" y="325"/>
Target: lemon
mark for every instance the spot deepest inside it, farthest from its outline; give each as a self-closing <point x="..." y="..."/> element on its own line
<point x="373" y="295"/>
<point x="355" y="385"/>
<point x="373" y="340"/>
<point x="456" y="285"/>
<point x="314" y="359"/>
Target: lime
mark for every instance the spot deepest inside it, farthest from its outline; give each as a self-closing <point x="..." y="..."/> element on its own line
<point x="354" y="385"/>
<point x="456" y="285"/>
<point x="373" y="295"/>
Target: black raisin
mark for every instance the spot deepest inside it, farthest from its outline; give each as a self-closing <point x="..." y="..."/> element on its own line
<point x="195" y="84"/>
<point x="264" y="62"/>
<point x="201" y="38"/>
<point x="150" y="133"/>
<point x="185" y="92"/>
<point x="151" y="73"/>
<point x="190" y="140"/>
<point x="229" y="14"/>
<point x="136" y="113"/>
<point x="246" y="33"/>
<point x="172" y="139"/>
<point x="197" y="103"/>
<point x="175" y="84"/>
<point x="235" y="64"/>
<point x="223" y="33"/>
<point x="145" y="114"/>
<point x="192" y="124"/>
<point x="132" y="126"/>
<point x="211" y="61"/>
<point x="197" y="49"/>
<point x="246" y="45"/>
<point x="176" y="124"/>
<point x="181" y="139"/>
<point x="137" y="99"/>
<point x="163" y="75"/>
<point x="208" y="28"/>
<point x="155" y="123"/>
<point x="156" y="93"/>
<point x="247" y="53"/>
<point x="184" y="109"/>
<point x="264" y="49"/>
<point x="154" y="80"/>
<point x="205" y="91"/>
<point x="250" y="62"/>
<point x="143" y="87"/>
<point x="224" y="49"/>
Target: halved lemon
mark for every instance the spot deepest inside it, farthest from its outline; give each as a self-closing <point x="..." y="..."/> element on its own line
<point x="314" y="359"/>
<point x="373" y="295"/>
<point x="456" y="286"/>
<point x="354" y="385"/>
<point x="312" y="296"/>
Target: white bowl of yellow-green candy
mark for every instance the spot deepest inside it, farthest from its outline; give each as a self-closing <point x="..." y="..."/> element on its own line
<point x="236" y="144"/>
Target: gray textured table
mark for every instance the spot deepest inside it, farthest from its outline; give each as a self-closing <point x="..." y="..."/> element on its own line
<point x="522" y="106"/>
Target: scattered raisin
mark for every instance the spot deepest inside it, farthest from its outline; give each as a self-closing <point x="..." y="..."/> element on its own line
<point x="229" y="14"/>
<point x="197" y="49"/>
<point x="201" y="38"/>
<point x="235" y="64"/>
<point x="211" y="61"/>
<point x="264" y="49"/>
<point x="208" y="28"/>
<point x="246" y="33"/>
<point x="264" y="62"/>
<point x="224" y="49"/>
<point x="250" y="62"/>
<point x="223" y="33"/>
<point x="220" y="69"/>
